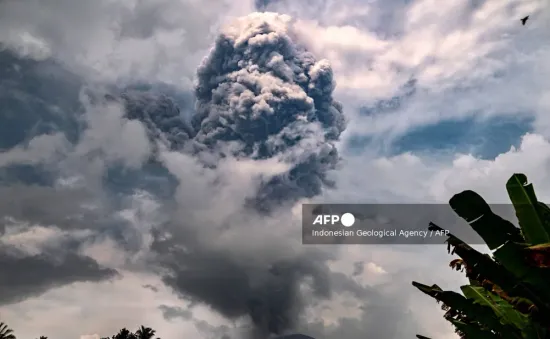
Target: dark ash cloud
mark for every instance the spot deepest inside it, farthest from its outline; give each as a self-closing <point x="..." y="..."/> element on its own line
<point x="261" y="95"/>
<point x="161" y="116"/>
<point x="22" y="277"/>
<point x="172" y="313"/>
<point x="269" y="294"/>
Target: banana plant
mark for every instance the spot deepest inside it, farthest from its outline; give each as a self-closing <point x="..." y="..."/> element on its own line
<point x="509" y="292"/>
<point x="6" y="332"/>
<point x="469" y="315"/>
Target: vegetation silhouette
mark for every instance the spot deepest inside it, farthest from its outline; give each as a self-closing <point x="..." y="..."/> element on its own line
<point x="141" y="333"/>
<point x="6" y="332"/>
<point x="508" y="296"/>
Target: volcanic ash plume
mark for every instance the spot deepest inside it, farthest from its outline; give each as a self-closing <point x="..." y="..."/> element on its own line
<point x="160" y="115"/>
<point x="260" y="95"/>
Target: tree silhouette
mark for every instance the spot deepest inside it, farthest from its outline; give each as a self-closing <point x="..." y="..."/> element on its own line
<point x="142" y="333"/>
<point x="6" y="332"/>
<point x="124" y="334"/>
<point x="145" y="333"/>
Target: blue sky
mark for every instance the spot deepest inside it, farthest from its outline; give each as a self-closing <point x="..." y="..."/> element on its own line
<point x="483" y="139"/>
<point x="439" y="97"/>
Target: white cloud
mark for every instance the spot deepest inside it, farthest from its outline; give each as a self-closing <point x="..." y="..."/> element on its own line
<point x="158" y="39"/>
<point x="102" y="308"/>
<point x="41" y="149"/>
<point x="442" y="44"/>
<point x="467" y="61"/>
<point x="34" y="240"/>
<point x="415" y="178"/>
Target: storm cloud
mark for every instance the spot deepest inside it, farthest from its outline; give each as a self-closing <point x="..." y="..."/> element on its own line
<point x="24" y="276"/>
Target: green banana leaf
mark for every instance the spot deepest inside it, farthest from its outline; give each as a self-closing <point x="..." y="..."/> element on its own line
<point x="483" y="267"/>
<point x="509" y="295"/>
<point x="503" y="310"/>
<point x="533" y="216"/>
<point x="480" y="314"/>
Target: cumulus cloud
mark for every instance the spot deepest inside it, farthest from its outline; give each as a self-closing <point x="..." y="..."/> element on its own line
<point x="56" y="148"/>
<point x="158" y="40"/>
<point x="469" y="61"/>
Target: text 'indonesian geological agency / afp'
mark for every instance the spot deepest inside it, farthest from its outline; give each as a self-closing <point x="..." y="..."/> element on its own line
<point x="382" y="224"/>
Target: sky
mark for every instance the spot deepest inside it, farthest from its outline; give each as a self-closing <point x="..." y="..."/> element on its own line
<point x="154" y="156"/>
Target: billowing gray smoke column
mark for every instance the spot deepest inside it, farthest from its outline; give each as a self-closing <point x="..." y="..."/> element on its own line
<point x="260" y="95"/>
<point x="160" y="115"/>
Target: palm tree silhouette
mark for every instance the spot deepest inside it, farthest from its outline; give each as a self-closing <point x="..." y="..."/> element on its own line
<point x="6" y="332"/>
<point x="123" y="334"/>
<point x="145" y="333"/>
